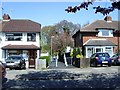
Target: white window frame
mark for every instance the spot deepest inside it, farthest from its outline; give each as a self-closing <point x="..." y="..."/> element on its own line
<point x="102" y="49"/>
<point x="109" y="48"/>
<point x="30" y="37"/>
<point x="8" y="35"/>
<point x="110" y="32"/>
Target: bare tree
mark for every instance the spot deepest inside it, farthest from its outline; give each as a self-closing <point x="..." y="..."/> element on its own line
<point x="61" y="41"/>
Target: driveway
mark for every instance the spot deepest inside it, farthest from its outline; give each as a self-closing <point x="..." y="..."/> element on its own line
<point x="92" y="77"/>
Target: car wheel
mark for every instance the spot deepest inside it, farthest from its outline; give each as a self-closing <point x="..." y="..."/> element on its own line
<point x="94" y="64"/>
<point x="10" y="68"/>
<point x="91" y="64"/>
<point x="24" y="66"/>
<point x="115" y="63"/>
<point x="20" y="66"/>
<point x="109" y="65"/>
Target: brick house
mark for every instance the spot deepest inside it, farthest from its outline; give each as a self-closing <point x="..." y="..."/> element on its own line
<point x="99" y="36"/>
<point x="20" y="37"/>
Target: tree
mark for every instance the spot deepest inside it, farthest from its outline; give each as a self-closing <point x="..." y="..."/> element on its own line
<point x="46" y="33"/>
<point x="65" y="24"/>
<point x="105" y="11"/>
<point x="61" y="41"/>
<point x="62" y="32"/>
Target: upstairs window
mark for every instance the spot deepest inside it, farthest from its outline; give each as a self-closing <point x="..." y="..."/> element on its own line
<point x="105" y="33"/>
<point x="31" y="36"/>
<point x="13" y="36"/>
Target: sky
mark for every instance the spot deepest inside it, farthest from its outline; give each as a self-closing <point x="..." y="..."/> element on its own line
<point x="50" y="13"/>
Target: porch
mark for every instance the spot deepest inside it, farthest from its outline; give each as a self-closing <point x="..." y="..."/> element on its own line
<point x="98" y="45"/>
<point x="30" y="53"/>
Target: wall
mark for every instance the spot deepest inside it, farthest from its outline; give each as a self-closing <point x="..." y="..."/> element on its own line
<point x="78" y="40"/>
<point x="23" y="42"/>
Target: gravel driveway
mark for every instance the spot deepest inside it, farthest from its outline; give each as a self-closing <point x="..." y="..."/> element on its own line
<point x="92" y="77"/>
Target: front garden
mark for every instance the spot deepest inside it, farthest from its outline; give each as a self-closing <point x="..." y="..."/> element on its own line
<point x="73" y="57"/>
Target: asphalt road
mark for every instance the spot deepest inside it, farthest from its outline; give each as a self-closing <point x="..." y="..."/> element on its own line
<point x="92" y="77"/>
<point x="11" y="74"/>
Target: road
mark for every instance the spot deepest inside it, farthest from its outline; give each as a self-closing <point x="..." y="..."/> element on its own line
<point x="91" y="77"/>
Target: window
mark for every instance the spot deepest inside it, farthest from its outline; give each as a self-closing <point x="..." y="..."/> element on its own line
<point x="105" y="33"/>
<point x="89" y="51"/>
<point x="109" y="50"/>
<point x="13" y="36"/>
<point x="31" y="37"/>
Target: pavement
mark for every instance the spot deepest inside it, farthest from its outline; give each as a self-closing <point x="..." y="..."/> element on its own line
<point x="60" y="65"/>
<point x="72" y="69"/>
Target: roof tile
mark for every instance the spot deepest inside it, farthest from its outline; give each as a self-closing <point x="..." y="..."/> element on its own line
<point x="20" y="26"/>
<point x="99" y="42"/>
<point x="20" y="47"/>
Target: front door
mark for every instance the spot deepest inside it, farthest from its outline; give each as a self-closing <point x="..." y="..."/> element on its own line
<point x="31" y="58"/>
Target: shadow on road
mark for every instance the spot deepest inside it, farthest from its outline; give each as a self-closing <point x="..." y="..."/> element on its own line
<point x="55" y="79"/>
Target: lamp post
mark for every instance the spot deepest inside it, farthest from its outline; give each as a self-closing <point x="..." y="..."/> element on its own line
<point x="51" y="46"/>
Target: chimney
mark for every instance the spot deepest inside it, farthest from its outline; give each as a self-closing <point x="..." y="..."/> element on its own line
<point x="108" y="18"/>
<point x="6" y="17"/>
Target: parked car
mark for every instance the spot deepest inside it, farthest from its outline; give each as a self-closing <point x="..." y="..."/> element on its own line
<point x="15" y="61"/>
<point x="100" y="58"/>
<point x="2" y="72"/>
<point x="116" y="59"/>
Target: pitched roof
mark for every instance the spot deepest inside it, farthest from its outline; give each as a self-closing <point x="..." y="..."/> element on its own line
<point x="115" y="25"/>
<point x="98" y="42"/>
<point x="101" y="24"/>
<point x="20" y="26"/>
<point x="20" y="47"/>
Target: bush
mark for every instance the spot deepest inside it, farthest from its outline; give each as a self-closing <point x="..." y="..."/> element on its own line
<point x="77" y="53"/>
<point x="74" y="52"/>
<point x="47" y="59"/>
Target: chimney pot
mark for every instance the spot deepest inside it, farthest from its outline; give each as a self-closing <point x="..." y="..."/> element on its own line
<point x="6" y="17"/>
<point x="108" y="18"/>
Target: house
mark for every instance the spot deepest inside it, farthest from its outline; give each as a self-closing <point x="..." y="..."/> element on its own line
<point x="99" y="36"/>
<point x="20" y="37"/>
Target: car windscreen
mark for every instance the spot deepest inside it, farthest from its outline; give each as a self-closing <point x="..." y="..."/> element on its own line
<point x="14" y="58"/>
<point x="103" y="55"/>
